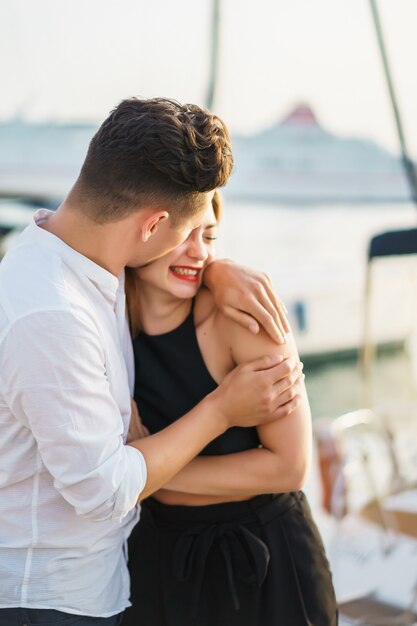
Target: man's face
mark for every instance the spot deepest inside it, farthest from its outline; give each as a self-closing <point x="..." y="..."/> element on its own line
<point x="168" y="236"/>
<point x="179" y="273"/>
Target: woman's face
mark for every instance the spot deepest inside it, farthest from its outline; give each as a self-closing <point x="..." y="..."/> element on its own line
<point x="180" y="271"/>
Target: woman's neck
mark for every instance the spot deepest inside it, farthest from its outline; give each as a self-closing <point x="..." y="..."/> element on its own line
<point x="160" y="312"/>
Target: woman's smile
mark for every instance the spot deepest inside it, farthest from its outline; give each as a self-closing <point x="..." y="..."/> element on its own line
<point x="186" y="272"/>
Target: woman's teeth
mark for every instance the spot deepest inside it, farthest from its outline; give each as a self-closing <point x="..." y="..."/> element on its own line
<point x="184" y="271"/>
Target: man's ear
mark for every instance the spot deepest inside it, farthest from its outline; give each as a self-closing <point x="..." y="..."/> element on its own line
<point x="150" y="225"/>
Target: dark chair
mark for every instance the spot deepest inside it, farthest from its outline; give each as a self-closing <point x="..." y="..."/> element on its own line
<point x="393" y="243"/>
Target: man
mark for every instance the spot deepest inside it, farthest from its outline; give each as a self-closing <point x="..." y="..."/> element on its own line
<point x="68" y="482"/>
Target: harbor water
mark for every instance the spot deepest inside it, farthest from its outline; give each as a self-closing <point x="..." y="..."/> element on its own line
<point x="316" y="258"/>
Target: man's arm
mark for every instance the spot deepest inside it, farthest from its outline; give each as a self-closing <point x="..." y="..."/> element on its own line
<point x="247" y="297"/>
<point x="53" y="376"/>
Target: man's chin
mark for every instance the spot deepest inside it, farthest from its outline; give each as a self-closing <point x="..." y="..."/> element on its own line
<point x="136" y="267"/>
<point x="138" y="264"/>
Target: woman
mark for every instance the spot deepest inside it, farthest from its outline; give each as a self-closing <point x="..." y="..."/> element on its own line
<point x="230" y="540"/>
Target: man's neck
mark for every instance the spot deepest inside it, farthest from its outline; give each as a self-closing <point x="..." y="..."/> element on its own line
<point x="99" y="243"/>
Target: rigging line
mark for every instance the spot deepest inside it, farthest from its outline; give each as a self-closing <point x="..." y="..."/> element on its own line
<point x="407" y="162"/>
<point x="214" y="54"/>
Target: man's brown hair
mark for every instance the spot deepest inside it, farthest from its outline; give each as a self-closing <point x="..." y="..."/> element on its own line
<point x="153" y="152"/>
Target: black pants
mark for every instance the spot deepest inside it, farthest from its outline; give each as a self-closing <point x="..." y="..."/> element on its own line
<point x="50" y="617"/>
<point x="253" y="563"/>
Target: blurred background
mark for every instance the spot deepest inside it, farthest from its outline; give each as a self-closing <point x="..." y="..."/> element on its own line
<point x="320" y="98"/>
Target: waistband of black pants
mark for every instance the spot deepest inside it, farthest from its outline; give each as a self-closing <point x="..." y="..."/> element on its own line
<point x="260" y="508"/>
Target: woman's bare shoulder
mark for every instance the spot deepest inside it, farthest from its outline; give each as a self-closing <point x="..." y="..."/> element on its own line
<point x="204" y="306"/>
<point x="208" y="316"/>
<point x="206" y="310"/>
<point x="246" y="346"/>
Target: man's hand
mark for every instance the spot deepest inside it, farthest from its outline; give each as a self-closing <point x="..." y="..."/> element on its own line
<point x="247" y="297"/>
<point x="260" y="392"/>
<point x="136" y="429"/>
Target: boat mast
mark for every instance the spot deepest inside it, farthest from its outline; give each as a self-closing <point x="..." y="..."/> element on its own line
<point x="214" y="54"/>
<point x="407" y="162"/>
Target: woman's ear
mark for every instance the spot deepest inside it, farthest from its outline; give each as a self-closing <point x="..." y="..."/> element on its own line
<point x="150" y="225"/>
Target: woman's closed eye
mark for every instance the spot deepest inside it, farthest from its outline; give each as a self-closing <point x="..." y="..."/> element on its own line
<point x="210" y="232"/>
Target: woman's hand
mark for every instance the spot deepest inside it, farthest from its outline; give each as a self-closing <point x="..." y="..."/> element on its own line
<point x="136" y="429"/>
<point x="247" y="297"/>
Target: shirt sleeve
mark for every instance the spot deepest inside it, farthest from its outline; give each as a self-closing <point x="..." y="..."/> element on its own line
<point x="52" y="368"/>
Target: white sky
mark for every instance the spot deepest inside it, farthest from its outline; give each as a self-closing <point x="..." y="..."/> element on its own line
<point x="75" y="59"/>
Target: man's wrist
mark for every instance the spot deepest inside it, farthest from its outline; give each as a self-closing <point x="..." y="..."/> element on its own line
<point x="209" y="276"/>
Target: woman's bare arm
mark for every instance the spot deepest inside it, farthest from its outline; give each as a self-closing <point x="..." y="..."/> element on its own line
<point x="282" y="463"/>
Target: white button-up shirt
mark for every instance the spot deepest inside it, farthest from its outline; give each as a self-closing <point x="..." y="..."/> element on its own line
<point x="68" y="482"/>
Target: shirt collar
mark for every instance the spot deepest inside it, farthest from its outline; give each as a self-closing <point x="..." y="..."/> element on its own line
<point x="105" y="281"/>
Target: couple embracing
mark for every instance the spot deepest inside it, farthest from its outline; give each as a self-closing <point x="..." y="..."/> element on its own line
<point x="193" y="486"/>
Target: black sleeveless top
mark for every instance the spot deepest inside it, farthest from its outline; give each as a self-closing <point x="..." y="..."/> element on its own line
<point x="171" y="378"/>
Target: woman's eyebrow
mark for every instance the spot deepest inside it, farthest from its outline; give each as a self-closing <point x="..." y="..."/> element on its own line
<point x="210" y="226"/>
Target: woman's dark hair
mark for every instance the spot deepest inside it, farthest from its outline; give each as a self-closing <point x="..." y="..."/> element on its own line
<point x="153" y="152"/>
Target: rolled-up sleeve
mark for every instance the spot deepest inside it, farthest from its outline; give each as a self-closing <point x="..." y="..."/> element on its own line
<point x="53" y="370"/>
